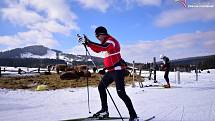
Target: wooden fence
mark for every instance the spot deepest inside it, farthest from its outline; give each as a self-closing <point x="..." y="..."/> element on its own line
<point x="20" y="71"/>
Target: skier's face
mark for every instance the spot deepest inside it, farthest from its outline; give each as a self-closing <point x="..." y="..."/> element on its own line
<point x="100" y="37"/>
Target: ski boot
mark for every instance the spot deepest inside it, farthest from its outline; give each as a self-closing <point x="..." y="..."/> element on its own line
<point x="101" y="114"/>
<point x="134" y="119"/>
<point x="166" y="86"/>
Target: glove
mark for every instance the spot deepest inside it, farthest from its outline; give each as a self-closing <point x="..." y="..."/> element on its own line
<point x="102" y="72"/>
<point x="127" y="73"/>
<point x="86" y="40"/>
<point x="161" y="66"/>
<point x="94" y="69"/>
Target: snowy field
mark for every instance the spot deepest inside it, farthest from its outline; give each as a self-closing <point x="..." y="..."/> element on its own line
<point x="190" y="100"/>
<point x="13" y="72"/>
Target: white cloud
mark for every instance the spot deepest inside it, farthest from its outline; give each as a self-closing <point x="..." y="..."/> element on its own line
<point x="101" y="5"/>
<point x="143" y="2"/>
<point x="31" y="37"/>
<point x="149" y="2"/>
<point x="41" y="19"/>
<point x="177" y="46"/>
<point x="19" y="15"/>
<point x="51" y="26"/>
<point x="55" y="10"/>
<point x="171" y="17"/>
<point x="9" y="41"/>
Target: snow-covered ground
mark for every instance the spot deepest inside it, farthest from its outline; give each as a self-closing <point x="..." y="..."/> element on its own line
<point x="13" y="72"/>
<point x="189" y="101"/>
<point x="50" y="54"/>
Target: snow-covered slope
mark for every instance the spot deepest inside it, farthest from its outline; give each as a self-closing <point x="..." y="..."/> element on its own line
<point x="50" y="54"/>
<point x="189" y="101"/>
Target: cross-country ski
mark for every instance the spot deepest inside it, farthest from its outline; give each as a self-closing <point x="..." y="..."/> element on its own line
<point x="100" y="119"/>
<point x="109" y="119"/>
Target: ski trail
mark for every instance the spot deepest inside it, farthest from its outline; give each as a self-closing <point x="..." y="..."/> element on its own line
<point x="167" y="114"/>
<point x="210" y="111"/>
<point x="212" y="116"/>
<point x="4" y="91"/>
<point x="182" y="114"/>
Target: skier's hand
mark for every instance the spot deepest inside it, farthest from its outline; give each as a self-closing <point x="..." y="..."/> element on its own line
<point x="94" y="69"/>
<point x="102" y="72"/>
<point x="161" y="66"/>
<point x="127" y="73"/>
<point x="86" y="40"/>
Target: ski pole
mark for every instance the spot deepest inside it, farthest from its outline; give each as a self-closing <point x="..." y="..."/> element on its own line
<point x="114" y="104"/>
<point x="87" y="51"/>
<point x="80" y="39"/>
<point x="88" y="94"/>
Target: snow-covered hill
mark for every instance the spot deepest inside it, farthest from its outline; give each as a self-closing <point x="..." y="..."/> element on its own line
<point x="50" y="54"/>
<point x="35" y="51"/>
<point x="41" y="52"/>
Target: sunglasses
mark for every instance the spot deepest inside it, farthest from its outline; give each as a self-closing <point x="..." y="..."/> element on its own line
<point x="97" y="35"/>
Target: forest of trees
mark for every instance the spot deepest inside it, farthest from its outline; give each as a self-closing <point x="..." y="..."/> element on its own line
<point x="42" y="63"/>
<point x="29" y="62"/>
<point x="187" y="64"/>
<point x="201" y="63"/>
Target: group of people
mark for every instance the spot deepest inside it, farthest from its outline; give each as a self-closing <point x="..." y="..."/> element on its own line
<point x="115" y="67"/>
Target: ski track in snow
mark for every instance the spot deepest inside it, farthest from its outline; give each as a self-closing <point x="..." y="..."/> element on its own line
<point x="194" y="101"/>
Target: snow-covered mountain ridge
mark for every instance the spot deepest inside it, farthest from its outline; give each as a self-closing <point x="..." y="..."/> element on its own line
<point x="39" y="51"/>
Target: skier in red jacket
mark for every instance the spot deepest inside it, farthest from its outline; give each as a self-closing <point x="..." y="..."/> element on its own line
<point x="115" y="66"/>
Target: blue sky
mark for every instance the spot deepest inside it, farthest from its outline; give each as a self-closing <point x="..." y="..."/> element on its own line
<point x="145" y="28"/>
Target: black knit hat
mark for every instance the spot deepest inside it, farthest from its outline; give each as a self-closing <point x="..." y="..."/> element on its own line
<point x="101" y="30"/>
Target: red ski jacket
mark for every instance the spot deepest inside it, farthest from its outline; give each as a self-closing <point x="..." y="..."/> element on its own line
<point x="111" y="47"/>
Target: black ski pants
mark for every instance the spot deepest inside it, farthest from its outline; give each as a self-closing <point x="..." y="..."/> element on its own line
<point x="166" y="76"/>
<point x="118" y="77"/>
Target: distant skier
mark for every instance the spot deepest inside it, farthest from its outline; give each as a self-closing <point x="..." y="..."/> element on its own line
<point x="166" y="68"/>
<point x="115" y="67"/>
